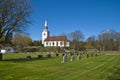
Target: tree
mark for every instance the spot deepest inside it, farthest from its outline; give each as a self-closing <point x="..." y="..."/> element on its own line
<point x="37" y="43"/>
<point x="118" y="40"/>
<point x="14" y="17"/>
<point x="108" y="39"/>
<point x="22" y="40"/>
<point x="76" y="37"/>
<point x="90" y="43"/>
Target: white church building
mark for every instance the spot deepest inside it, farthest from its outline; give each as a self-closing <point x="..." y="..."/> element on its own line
<point x="47" y="40"/>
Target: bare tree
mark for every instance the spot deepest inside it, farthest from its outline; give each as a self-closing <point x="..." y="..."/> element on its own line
<point x="14" y="17"/>
<point x="91" y="41"/>
<point x="108" y="39"/>
<point x="117" y="38"/>
<point x="76" y="37"/>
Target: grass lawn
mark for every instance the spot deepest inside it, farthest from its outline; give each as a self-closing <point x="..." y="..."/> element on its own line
<point x="16" y="67"/>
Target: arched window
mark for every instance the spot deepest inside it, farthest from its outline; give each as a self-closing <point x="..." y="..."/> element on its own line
<point x="56" y="43"/>
<point x="47" y="43"/>
<point x="53" y="43"/>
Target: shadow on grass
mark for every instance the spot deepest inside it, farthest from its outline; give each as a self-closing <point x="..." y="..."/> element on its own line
<point x="116" y="75"/>
<point x="27" y="60"/>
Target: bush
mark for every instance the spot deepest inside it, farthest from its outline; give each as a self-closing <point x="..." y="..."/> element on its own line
<point x="30" y="49"/>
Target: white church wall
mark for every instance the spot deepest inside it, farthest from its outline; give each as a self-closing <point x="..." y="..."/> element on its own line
<point x="61" y="43"/>
<point x="67" y="44"/>
<point x="45" y="44"/>
<point x="57" y="43"/>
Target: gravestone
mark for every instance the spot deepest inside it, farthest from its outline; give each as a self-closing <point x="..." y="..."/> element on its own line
<point x="49" y="55"/>
<point x="63" y="54"/>
<point x="64" y="58"/>
<point x="40" y="56"/>
<point x="79" y="57"/>
<point x="87" y="55"/>
<point x="96" y="54"/>
<point x="1" y="56"/>
<point x="57" y="54"/>
<point x="28" y="57"/>
<point x="92" y="55"/>
<point x="71" y="54"/>
<point x="72" y="58"/>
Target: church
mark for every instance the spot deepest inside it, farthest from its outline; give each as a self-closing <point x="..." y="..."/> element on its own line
<point x="57" y="41"/>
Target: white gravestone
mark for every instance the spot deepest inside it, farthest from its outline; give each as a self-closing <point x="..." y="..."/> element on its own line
<point x="64" y="58"/>
<point x="79" y="56"/>
<point x="72" y="58"/>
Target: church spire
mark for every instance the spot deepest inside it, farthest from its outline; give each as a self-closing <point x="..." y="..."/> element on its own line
<point x="45" y="33"/>
<point x="46" y="24"/>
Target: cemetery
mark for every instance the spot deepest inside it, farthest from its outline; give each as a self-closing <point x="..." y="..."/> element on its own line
<point x="60" y="66"/>
<point x="82" y="41"/>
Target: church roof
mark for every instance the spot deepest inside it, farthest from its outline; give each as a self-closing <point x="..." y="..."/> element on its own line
<point x="57" y="38"/>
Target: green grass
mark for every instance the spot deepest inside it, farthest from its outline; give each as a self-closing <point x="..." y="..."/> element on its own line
<point x="16" y="67"/>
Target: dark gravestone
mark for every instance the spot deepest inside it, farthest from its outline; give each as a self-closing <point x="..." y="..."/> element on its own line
<point x="28" y="57"/>
<point x="1" y="56"/>
<point x="71" y="54"/>
<point x="95" y="54"/>
<point x="91" y="55"/>
<point x="57" y="54"/>
<point x="63" y="54"/>
<point x="40" y="56"/>
<point x="87" y="55"/>
<point x="48" y="55"/>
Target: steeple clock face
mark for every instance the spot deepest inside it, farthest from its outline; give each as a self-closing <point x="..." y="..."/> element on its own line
<point x="44" y="34"/>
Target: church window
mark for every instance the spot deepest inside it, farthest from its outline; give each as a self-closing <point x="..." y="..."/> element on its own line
<point x="50" y="44"/>
<point x="61" y="43"/>
<point x="53" y="43"/>
<point x="56" y="43"/>
<point x="46" y="43"/>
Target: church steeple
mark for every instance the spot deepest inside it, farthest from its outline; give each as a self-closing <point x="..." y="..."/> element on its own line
<point x="45" y="32"/>
<point x="45" y="26"/>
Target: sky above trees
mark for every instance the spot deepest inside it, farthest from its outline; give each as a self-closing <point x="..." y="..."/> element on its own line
<point x="65" y="16"/>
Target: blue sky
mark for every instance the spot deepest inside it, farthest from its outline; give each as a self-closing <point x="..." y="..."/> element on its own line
<point x="65" y="16"/>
